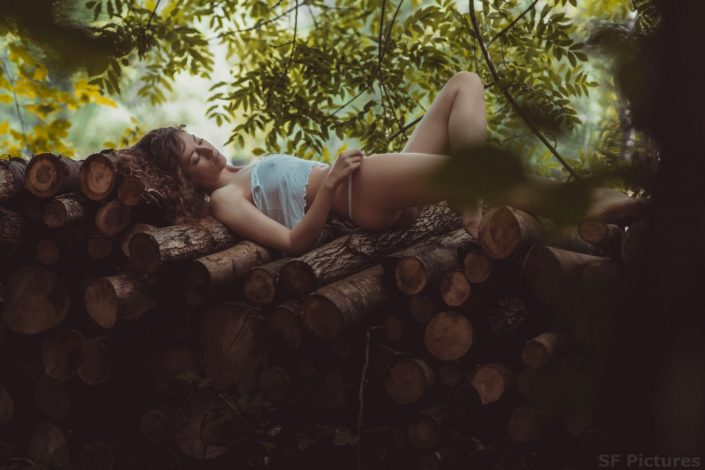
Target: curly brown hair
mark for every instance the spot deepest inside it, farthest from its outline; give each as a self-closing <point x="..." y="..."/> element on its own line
<point x="157" y="152"/>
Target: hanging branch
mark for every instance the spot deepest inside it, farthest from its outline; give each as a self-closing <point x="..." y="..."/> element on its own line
<point x="379" y="65"/>
<point x="509" y="97"/>
<point x="510" y="25"/>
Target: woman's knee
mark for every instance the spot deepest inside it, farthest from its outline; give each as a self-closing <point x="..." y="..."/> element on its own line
<point x="470" y="78"/>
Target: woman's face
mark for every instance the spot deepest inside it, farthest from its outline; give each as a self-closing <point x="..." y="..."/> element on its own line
<point x="200" y="161"/>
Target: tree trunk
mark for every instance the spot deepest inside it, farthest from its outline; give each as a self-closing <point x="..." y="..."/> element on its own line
<point x="98" y="175"/>
<point x="113" y="299"/>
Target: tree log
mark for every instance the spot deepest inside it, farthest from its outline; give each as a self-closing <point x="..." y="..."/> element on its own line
<point x="98" y="246"/>
<point x="425" y="305"/>
<point x="408" y="380"/>
<point x="148" y="250"/>
<point x="348" y="254"/>
<point x="539" y="350"/>
<point x="36" y="300"/>
<point x="448" y="336"/>
<point x="285" y="321"/>
<point x="223" y="268"/>
<point x="48" y="174"/>
<point x="65" y="208"/>
<point x="260" y="283"/>
<point x="98" y="175"/>
<point x="129" y="233"/>
<point x="342" y="305"/>
<point x="122" y="297"/>
<point x="550" y="270"/>
<point x="12" y="232"/>
<point x="232" y="355"/>
<point x="426" y="427"/>
<point x="455" y="288"/>
<point x="478" y="266"/>
<point x="524" y="424"/>
<point x="12" y="177"/>
<point x="492" y="382"/>
<point x="425" y="263"/>
<point x="505" y="231"/>
<point x="112" y="218"/>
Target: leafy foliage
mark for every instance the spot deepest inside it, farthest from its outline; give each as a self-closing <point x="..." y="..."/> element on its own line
<point x="362" y="71"/>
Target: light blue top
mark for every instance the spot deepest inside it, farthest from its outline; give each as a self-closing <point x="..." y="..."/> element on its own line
<point x="278" y="184"/>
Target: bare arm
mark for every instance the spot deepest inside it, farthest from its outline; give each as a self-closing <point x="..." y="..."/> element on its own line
<point x="305" y="234"/>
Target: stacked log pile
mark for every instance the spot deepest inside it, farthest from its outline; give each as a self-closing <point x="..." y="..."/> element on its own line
<point x="127" y="342"/>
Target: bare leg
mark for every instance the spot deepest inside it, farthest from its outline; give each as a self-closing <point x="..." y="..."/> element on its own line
<point x="455" y="119"/>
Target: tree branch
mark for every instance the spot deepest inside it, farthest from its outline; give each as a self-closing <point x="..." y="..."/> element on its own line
<point x="510" y="25"/>
<point x="509" y="97"/>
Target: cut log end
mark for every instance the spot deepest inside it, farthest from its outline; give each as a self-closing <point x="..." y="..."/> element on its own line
<point x="410" y="275"/>
<point x="448" y="336"/>
<point x="42" y="176"/>
<point x="500" y="233"/>
<point x="97" y="176"/>
<point x="408" y="380"/>
<point x="130" y="191"/>
<point x="524" y="424"/>
<point x="259" y="286"/>
<point x="145" y="253"/>
<point x="455" y="288"/>
<point x="102" y="302"/>
<point x="478" y="266"/>
<point x="322" y="318"/>
<point x="298" y="278"/>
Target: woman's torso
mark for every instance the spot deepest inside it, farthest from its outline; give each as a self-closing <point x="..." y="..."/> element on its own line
<point x="242" y="181"/>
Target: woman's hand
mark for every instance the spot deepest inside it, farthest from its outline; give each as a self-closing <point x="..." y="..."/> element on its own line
<point x="346" y="164"/>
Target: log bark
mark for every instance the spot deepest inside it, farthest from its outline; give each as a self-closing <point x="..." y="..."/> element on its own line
<point x="232" y="354"/>
<point x="427" y="262"/>
<point x="505" y="231"/>
<point x="12" y="232"/>
<point x="606" y="236"/>
<point x="66" y="208"/>
<point x="342" y="305"/>
<point x="285" y="321"/>
<point x="112" y="299"/>
<point x="345" y="255"/>
<point x="550" y="270"/>
<point x="98" y="175"/>
<point x="36" y="300"/>
<point x="223" y="268"/>
<point x="176" y="242"/>
<point x="48" y="174"/>
<point x="260" y="284"/>
<point x="12" y="177"/>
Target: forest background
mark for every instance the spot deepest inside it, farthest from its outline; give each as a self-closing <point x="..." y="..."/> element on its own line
<point x="312" y="77"/>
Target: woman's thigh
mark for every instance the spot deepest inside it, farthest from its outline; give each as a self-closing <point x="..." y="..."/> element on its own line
<point x="386" y="184"/>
